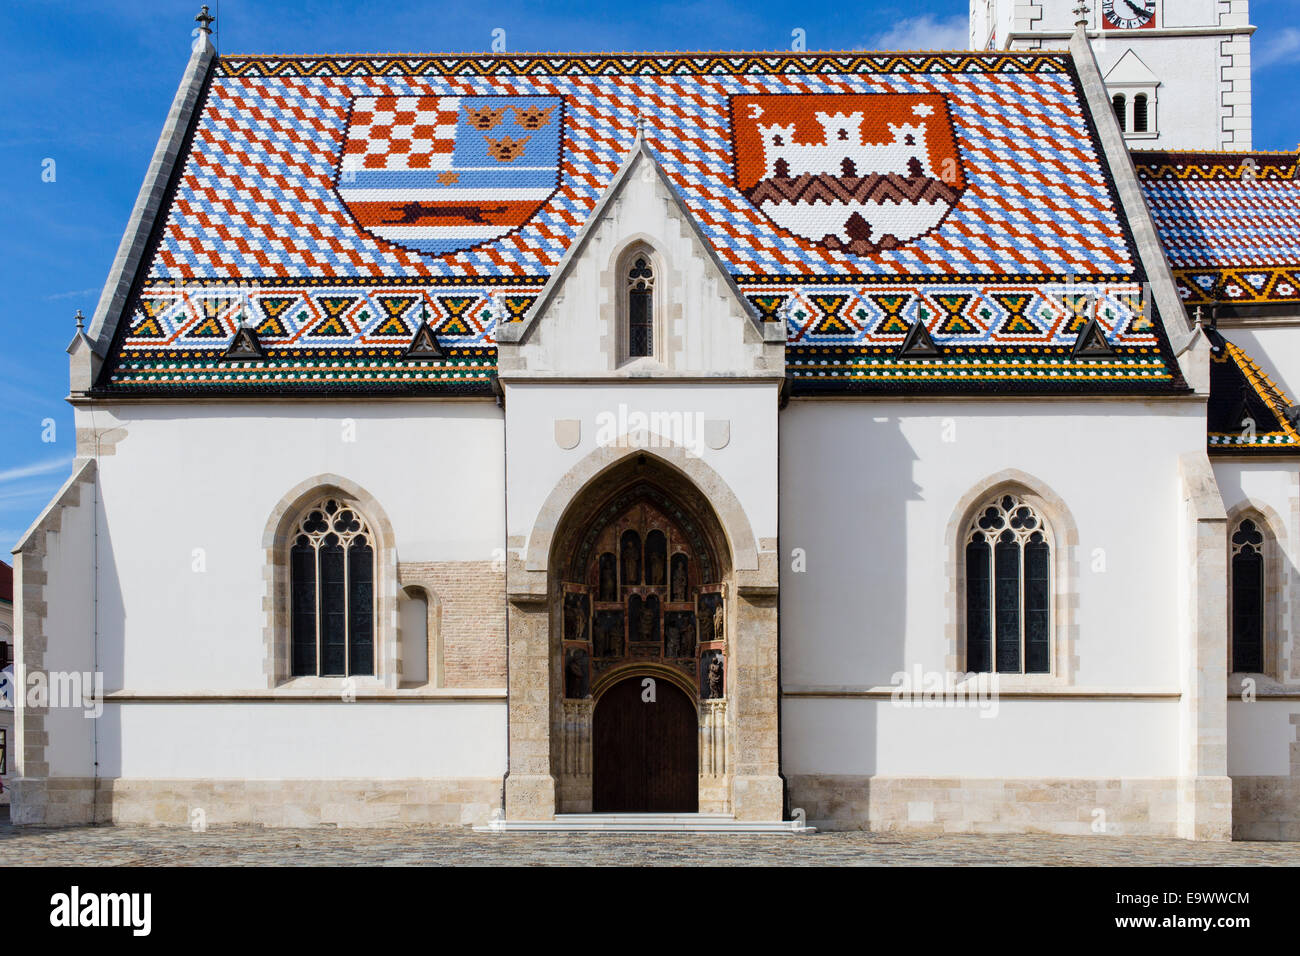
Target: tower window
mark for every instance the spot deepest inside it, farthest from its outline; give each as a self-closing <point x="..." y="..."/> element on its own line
<point x="1140" y="113"/>
<point x="1118" y="103"/>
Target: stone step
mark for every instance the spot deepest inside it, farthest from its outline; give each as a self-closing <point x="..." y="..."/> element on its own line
<point x="643" y="823"/>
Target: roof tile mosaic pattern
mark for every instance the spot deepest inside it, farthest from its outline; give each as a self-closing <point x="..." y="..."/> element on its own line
<point x="332" y="203"/>
<point x="1230" y="223"/>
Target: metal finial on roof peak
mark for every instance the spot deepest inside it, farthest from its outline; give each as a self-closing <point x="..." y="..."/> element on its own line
<point x="1198" y="317"/>
<point x="1081" y="15"/>
<point x="640" y="124"/>
<point x="205" y="20"/>
<point x="81" y="321"/>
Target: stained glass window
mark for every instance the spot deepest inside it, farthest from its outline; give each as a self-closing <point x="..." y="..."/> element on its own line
<point x="1008" y="590"/>
<point x="640" y="308"/>
<point x="1248" y="598"/>
<point x="331" y="587"/>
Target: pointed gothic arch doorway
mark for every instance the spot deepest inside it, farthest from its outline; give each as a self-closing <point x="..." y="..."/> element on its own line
<point x="642" y="568"/>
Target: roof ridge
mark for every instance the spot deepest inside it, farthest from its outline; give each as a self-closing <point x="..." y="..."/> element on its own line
<point x="488" y="54"/>
<point x="1216" y="152"/>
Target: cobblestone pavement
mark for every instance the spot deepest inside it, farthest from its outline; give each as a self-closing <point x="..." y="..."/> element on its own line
<point x="244" y="846"/>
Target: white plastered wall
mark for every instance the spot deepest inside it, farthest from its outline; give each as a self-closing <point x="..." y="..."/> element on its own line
<point x="1260" y="730"/>
<point x="745" y="463"/>
<point x="868" y="491"/>
<point x="69" y="600"/>
<point x="195" y="486"/>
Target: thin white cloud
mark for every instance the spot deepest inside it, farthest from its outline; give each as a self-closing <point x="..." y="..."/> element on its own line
<point x="25" y="493"/>
<point x="926" y="32"/>
<point x="79" y="293"/>
<point x="1280" y="47"/>
<point x="36" y="468"/>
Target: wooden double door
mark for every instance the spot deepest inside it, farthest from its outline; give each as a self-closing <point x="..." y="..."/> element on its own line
<point x="645" y="752"/>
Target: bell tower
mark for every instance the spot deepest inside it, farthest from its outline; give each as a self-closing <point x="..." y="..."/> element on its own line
<point x="1178" y="71"/>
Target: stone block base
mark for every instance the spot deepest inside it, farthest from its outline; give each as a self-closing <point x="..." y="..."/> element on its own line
<point x="757" y="799"/>
<point x="1128" y="807"/>
<point x="715" y="793"/>
<point x="272" y="803"/>
<point x="530" y="797"/>
<point x="1205" y="808"/>
<point x="1266" y="808"/>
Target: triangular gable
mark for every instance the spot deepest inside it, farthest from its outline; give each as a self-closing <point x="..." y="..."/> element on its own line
<point x="518" y="332"/>
<point x="1130" y="71"/>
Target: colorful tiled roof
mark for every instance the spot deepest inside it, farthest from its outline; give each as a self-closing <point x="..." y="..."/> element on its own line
<point x="1247" y="411"/>
<point x="1229" y="222"/>
<point x="333" y="202"/>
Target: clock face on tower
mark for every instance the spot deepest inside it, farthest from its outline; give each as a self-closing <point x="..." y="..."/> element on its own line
<point x="1128" y="14"/>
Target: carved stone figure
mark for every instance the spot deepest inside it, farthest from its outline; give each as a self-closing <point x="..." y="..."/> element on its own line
<point x="679" y="582"/>
<point x="575" y="617"/>
<point x="672" y="638"/>
<point x="656" y="570"/>
<point x="715" y="676"/>
<point x="575" y="675"/>
<point x="719" y="623"/>
<point x="608" y="590"/>
<point x="645" y="625"/>
<point x="608" y="639"/>
<point x="631" y="563"/>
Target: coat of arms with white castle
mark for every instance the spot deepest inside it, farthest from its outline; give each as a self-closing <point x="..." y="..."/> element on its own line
<point x="855" y="173"/>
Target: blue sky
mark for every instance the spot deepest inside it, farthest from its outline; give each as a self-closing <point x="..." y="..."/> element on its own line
<point x="88" y="85"/>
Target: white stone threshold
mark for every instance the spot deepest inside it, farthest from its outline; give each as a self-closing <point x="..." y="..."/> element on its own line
<point x="644" y="823"/>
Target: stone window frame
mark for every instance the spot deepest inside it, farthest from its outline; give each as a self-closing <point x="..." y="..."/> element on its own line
<point x="1275" y="592"/>
<point x="1129" y="92"/>
<point x="418" y="579"/>
<point x="623" y="259"/>
<point x="276" y="543"/>
<point x="1064" y="539"/>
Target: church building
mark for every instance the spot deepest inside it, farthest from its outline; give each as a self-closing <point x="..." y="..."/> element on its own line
<point x="862" y="439"/>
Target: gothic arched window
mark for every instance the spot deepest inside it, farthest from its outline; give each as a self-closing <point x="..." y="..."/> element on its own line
<point x="1140" y="113"/>
<point x="332" y="592"/>
<point x="1117" y="103"/>
<point x="1247" y="597"/>
<point x="640" y="307"/>
<point x="1008" y="589"/>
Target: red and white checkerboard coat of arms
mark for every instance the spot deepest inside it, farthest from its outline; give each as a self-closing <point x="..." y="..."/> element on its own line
<point x="438" y="174"/>
<point x="851" y="172"/>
